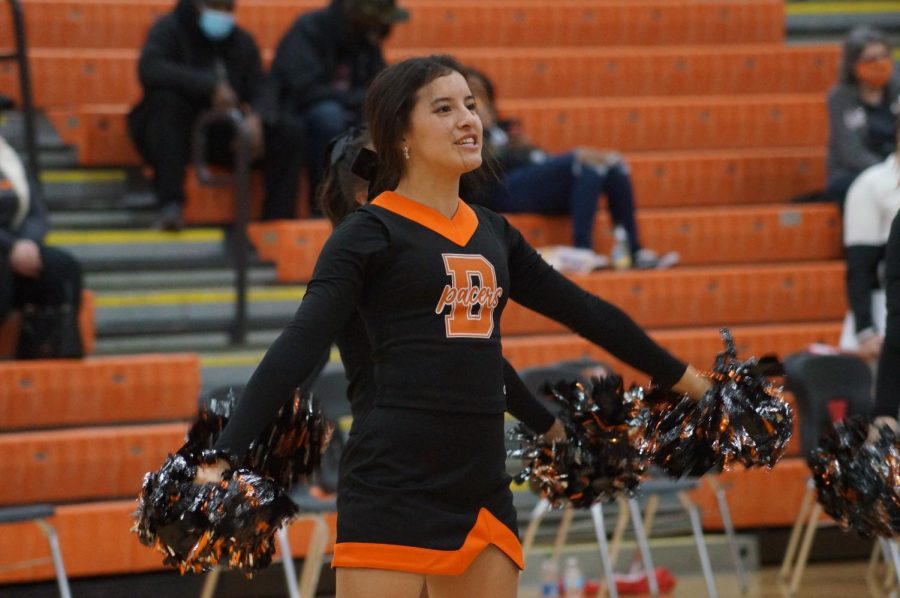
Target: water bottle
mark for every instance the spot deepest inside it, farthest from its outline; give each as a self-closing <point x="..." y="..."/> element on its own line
<point x="573" y="579"/>
<point x="549" y="579"/>
<point x="621" y="251"/>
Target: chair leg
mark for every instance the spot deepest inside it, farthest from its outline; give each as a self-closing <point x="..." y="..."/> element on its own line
<point x="537" y="515"/>
<point x="210" y="583"/>
<point x="805" y="546"/>
<point x="315" y="553"/>
<point x="600" y="529"/>
<point x="694" y="514"/>
<point x="650" y="513"/>
<point x="787" y="564"/>
<point x="643" y="546"/>
<point x="615" y="544"/>
<point x="287" y="560"/>
<point x="562" y="534"/>
<point x="878" y="551"/>
<point x="61" y="580"/>
<point x="725" y="513"/>
<point x="895" y="560"/>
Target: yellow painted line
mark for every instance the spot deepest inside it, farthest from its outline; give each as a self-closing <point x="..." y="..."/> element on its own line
<point x="134" y="237"/>
<point x="814" y="8"/>
<point x="83" y="176"/>
<point x="243" y="359"/>
<point x="194" y="297"/>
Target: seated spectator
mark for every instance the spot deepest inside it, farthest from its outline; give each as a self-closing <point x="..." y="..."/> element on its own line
<point x="324" y="65"/>
<point x="196" y="58"/>
<point x="531" y="181"/>
<point x="862" y="110"/>
<point x="872" y="203"/>
<point x="44" y="283"/>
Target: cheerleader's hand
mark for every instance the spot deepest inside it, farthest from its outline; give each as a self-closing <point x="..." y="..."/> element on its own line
<point x="882" y="421"/>
<point x="211" y="473"/>
<point x="693" y="384"/>
<point x="556" y="433"/>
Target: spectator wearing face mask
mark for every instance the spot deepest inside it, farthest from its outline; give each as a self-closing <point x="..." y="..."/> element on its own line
<point x="324" y="65"/>
<point x="862" y="110"/>
<point x="196" y="58"/>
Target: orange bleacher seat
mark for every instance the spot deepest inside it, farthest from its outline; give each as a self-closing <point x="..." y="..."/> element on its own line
<point x="626" y="124"/>
<point x="99" y="131"/>
<point x="293" y="245"/>
<point x="112" y="549"/>
<point x="471" y="23"/>
<point x="719" y="178"/>
<point x="98" y="390"/>
<point x="662" y="71"/>
<point x="752" y="492"/>
<point x="71" y="76"/>
<point x="434" y="24"/>
<point x="708" y="296"/>
<point x="700" y="235"/>
<point x="82" y="463"/>
<point x="636" y="124"/>
<point x="694" y="345"/>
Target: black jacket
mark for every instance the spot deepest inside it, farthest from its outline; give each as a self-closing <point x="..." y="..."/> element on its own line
<point x="177" y="55"/>
<point x="309" y="55"/>
<point x="23" y="214"/>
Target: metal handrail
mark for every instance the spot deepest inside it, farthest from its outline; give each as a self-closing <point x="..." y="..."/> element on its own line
<point x="20" y="55"/>
<point x="239" y="180"/>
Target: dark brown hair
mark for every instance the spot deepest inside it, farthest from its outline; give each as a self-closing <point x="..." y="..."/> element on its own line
<point x="338" y="190"/>
<point x="389" y="104"/>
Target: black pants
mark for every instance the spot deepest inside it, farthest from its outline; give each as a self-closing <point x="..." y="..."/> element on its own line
<point x="59" y="283"/>
<point x="161" y="127"/>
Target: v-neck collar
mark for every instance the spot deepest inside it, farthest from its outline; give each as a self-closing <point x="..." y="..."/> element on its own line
<point x="458" y="229"/>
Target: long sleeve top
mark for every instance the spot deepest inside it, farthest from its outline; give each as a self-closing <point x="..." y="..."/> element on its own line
<point x="430" y="291"/>
<point x="860" y="135"/>
<point x="22" y="213"/>
<point x="872" y="202"/>
<point x="887" y="385"/>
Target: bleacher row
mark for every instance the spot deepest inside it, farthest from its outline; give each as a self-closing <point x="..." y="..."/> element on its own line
<point x="720" y="121"/>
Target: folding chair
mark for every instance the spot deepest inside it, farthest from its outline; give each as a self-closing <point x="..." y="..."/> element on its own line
<point x="330" y="388"/>
<point x="827" y="388"/>
<point x="582" y="370"/>
<point x="39" y="514"/>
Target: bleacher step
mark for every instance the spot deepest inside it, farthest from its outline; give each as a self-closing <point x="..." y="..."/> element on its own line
<point x="148" y="279"/>
<point x="191" y="310"/>
<point x="257" y="339"/>
<point x="126" y="249"/>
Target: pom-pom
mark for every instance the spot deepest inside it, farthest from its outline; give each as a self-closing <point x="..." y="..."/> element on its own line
<point x="197" y="526"/>
<point x="606" y="449"/>
<point x="742" y="418"/>
<point x="858" y="482"/>
<point x="233" y="522"/>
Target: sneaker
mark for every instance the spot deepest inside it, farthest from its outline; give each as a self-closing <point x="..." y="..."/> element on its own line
<point x="573" y="259"/>
<point x="646" y="259"/>
<point x="170" y="217"/>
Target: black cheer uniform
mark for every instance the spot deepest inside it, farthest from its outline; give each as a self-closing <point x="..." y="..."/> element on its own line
<point x="424" y="488"/>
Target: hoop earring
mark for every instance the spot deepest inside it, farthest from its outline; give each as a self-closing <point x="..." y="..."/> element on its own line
<point x="405" y="152"/>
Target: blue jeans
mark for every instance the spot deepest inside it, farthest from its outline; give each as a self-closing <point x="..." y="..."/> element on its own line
<point x="563" y="185"/>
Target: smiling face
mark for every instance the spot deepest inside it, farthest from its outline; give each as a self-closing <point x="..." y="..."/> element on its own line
<point x="445" y="132"/>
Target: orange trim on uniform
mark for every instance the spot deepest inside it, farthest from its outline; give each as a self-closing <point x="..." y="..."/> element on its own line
<point x="487" y="530"/>
<point x="458" y="229"/>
